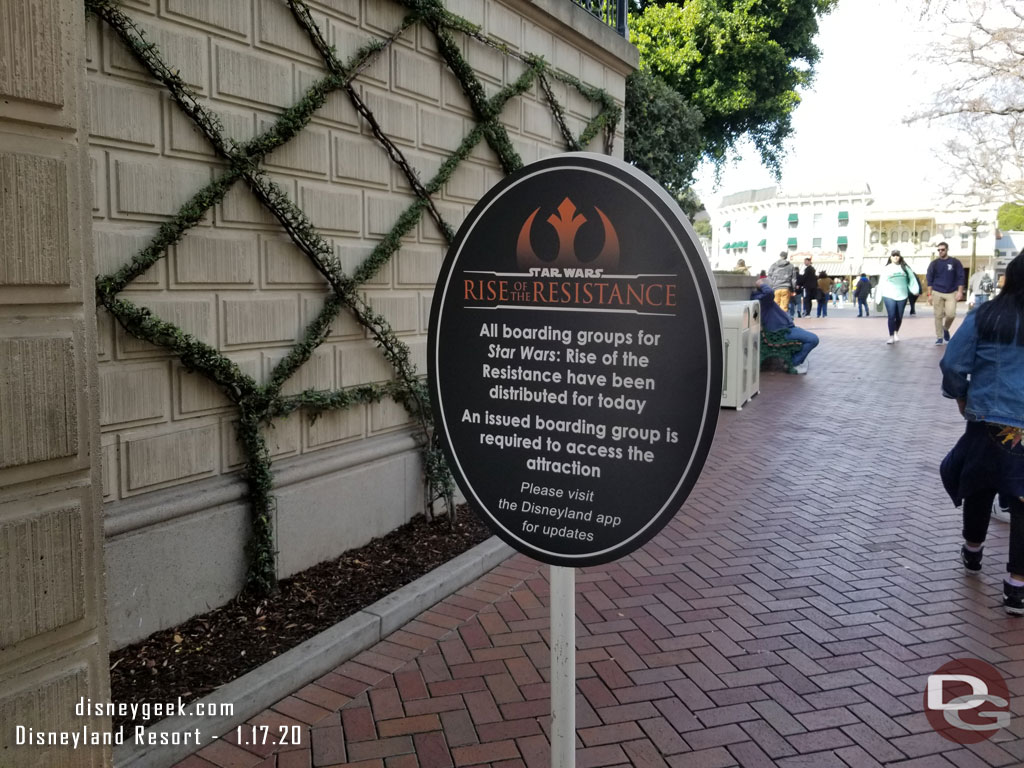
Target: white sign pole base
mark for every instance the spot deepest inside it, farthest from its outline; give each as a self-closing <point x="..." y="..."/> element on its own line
<point x="563" y="667"/>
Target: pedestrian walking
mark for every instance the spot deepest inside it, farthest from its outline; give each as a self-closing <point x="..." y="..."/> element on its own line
<point x="981" y="288"/>
<point x="808" y="283"/>
<point x="945" y="279"/>
<point x="895" y="284"/>
<point x="982" y="370"/>
<point x="823" y="291"/>
<point x="861" y="293"/>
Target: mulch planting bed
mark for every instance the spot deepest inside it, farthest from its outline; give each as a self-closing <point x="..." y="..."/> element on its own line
<point x="207" y="651"/>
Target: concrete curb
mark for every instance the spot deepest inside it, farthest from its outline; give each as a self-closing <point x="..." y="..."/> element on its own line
<point x="257" y="690"/>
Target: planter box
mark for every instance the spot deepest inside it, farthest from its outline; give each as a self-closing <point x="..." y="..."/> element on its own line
<point x="734" y="287"/>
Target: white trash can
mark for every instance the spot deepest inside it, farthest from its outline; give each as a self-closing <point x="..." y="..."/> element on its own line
<point x="741" y="352"/>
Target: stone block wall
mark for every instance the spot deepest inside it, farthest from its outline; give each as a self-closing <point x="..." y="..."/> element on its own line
<point x="175" y="520"/>
<point x="53" y="641"/>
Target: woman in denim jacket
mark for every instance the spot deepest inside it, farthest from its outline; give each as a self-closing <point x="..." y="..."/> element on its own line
<point x="983" y="370"/>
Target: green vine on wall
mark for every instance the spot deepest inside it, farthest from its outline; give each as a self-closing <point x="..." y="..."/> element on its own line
<point x="258" y="405"/>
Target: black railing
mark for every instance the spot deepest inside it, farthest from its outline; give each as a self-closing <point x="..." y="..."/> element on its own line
<point x="611" y="12"/>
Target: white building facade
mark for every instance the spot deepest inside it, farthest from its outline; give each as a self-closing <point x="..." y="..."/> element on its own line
<point x="843" y="232"/>
<point x="971" y="234"/>
<point x="757" y="224"/>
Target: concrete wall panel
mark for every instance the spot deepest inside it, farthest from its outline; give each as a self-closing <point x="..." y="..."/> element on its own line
<point x="202" y="258"/>
<point x="194" y="315"/>
<point x="31" y="52"/>
<point x="191" y="557"/>
<point x="361" y="158"/>
<point x="316" y="522"/>
<point x="260" y="320"/>
<point x="188" y="49"/>
<point x="308" y="152"/>
<point x="155" y="460"/>
<point x="285" y="265"/>
<point x="227" y="15"/>
<point x="41" y="565"/>
<point x="282" y="440"/>
<point x="34" y="238"/>
<point x="114" y="247"/>
<point x="47" y="703"/>
<point x="125" y="113"/>
<point x="277" y="29"/>
<point x="134" y="393"/>
<point x="38" y="400"/>
<point x="419" y="265"/>
<point x="262" y="79"/>
<point x="155" y="187"/>
<point x="417" y="75"/>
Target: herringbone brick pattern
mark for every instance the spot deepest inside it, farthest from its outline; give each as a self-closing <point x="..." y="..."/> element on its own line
<point x="789" y="615"/>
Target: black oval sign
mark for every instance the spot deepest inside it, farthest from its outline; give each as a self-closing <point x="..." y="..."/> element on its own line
<point x="575" y="359"/>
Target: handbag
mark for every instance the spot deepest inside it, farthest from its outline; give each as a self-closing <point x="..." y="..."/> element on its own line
<point x="913" y="284"/>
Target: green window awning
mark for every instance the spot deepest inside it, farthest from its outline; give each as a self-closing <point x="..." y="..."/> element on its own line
<point x="841" y="240"/>
<point x="763" y="243"/>
<point x="794" y="217"/>
<point x="727" y="224"/>
<point x="791" y="241"/>
<point x="727" y="246"/>
<point x="843" y="216"/>
<point x="743" y="243"/>
<point x="763" y="220"/>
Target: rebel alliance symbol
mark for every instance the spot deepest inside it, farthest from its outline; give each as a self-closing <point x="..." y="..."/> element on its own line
<point x="566" y="224"/>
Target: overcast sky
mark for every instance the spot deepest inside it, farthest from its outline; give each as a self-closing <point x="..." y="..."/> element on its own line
<point x="848" y="130"/>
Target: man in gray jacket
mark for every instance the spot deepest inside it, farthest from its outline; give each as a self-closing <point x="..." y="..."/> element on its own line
<point x="782" y="278"/>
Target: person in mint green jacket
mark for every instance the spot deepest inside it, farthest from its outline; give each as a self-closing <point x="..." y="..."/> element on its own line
<point x="895" y="284"/>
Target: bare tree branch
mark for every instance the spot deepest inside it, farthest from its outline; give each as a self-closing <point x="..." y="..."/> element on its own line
<point x="981" y="46"/>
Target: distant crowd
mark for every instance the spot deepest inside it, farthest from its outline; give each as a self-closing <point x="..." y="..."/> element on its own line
<point x="982" y="370"/>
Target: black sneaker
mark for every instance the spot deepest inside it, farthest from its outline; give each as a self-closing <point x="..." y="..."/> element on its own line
<point x="972" y="560"/>
<point x="938" y="342"/>
<point x="945" y="334"/>
<point x="1013" y="599"/>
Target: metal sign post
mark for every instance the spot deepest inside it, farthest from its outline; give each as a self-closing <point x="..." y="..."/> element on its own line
<point x="563" y="667"/>
<point x="575" y="373"/>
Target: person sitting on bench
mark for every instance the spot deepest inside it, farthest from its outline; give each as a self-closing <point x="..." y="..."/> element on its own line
<point x="777" y="326"/>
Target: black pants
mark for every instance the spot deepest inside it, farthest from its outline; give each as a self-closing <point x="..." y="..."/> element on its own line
<point x="977" y="511"/>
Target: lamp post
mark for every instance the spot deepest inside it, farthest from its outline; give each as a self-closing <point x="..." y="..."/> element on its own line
<point x="975" y="227"/>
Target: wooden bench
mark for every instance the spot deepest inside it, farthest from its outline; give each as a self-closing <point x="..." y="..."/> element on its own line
<point x="776" y="345"/>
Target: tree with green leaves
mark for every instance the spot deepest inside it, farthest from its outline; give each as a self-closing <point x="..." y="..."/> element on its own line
<point x="712" y="72"/>
<point x="662" y="131"/>
<point x="1010" y="217"/>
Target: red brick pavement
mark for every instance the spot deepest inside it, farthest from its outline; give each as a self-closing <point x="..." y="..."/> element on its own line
<point x="787" y="616"/>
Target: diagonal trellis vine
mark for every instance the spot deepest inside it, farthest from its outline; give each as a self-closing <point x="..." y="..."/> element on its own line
<point x="257" y="405"/>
